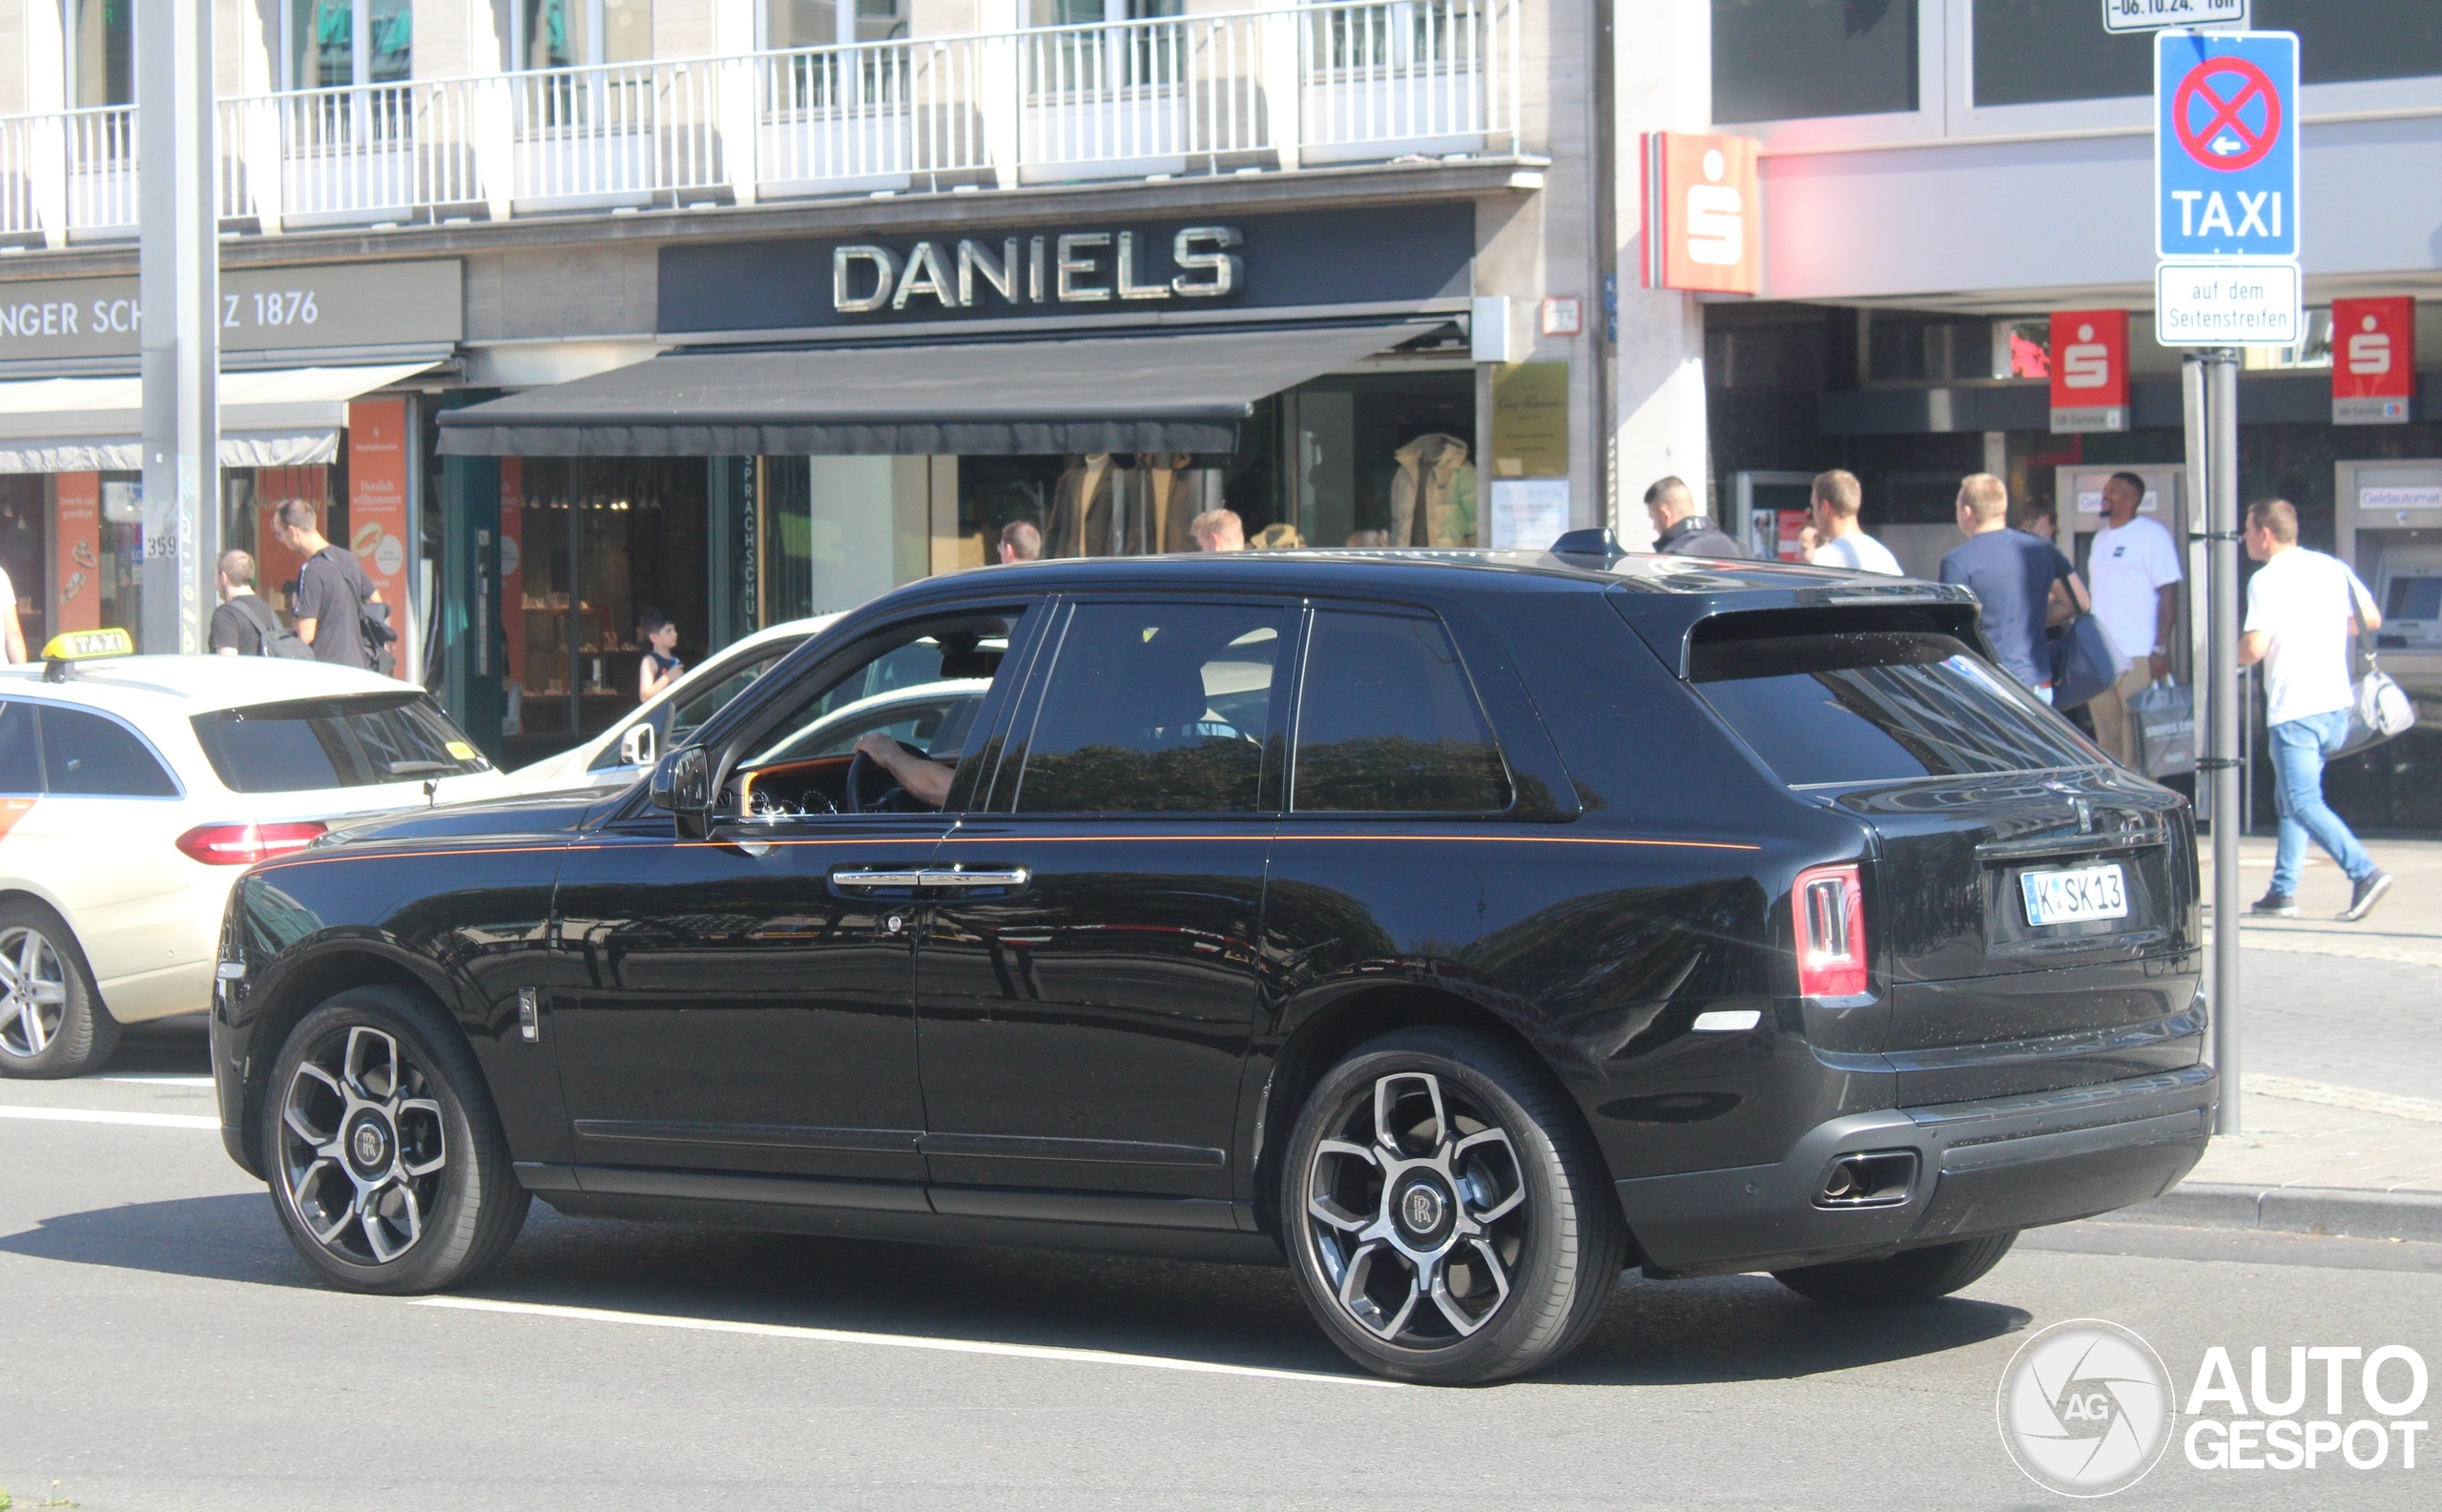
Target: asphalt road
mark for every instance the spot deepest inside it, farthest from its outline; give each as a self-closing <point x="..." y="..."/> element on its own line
<point x="161" y="1348"/>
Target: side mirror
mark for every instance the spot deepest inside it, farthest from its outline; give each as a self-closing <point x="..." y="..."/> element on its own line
<point x="682" y="784"/>
<point x="635" y="746"/>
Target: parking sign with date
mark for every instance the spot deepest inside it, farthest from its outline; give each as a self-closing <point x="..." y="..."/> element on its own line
<point x="2225" y="144"/>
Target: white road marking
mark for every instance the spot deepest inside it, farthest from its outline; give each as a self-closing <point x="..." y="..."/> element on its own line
<point x="146" y="1079"/>
<point x="2422" y="1110"/>
<point x="96" y="1116"/>
<point x="949" y="1346"/>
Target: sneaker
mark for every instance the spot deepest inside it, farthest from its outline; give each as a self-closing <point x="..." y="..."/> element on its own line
<point x="2275" y="905"/>
<point x="2363" y="897"/>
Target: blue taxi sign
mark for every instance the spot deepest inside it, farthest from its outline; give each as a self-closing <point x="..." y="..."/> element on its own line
<point x="2226" y="145"/>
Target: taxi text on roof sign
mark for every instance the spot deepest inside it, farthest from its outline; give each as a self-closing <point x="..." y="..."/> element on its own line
<point x="83" y="645"/>
<point x="2226" y="145"/>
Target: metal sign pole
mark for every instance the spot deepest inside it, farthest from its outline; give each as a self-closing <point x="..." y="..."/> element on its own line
<point x="178" y="261"/>
<point x="2221" y="555"/>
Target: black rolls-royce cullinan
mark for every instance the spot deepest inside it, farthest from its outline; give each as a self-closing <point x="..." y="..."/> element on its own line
<point x="1457" y="927"/>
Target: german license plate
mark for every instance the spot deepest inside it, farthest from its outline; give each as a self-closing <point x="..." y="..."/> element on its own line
<point x="2074" y="896"/>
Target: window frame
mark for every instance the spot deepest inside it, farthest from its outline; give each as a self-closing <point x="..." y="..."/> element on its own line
<point x="177" y="793"/>
<point x="739" y="728"/>
<point x="1518" y="805"/>
<point x="997" y="794"/>
<point x="1947" y="110"/>
<point x="360" y="50"/>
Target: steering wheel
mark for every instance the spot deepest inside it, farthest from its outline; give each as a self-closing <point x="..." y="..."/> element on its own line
<point x="870" y="787"/>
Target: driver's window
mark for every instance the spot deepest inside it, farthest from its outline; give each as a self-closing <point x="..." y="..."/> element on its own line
<point x="921" y="689"/>
<point x="1157" y="708"/>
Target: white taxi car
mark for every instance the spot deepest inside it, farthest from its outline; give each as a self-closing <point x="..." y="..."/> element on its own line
<point x="134" y="790"/>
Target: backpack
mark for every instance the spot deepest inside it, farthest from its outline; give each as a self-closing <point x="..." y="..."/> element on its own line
<point x="372" y="620"/>
<point x="278" y="639"/>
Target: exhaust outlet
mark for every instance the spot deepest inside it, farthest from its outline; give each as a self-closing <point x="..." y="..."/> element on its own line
<point x="1880" y="1178"/>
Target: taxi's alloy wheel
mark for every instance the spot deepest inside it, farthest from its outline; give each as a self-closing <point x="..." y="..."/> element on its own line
<point x="1446" y="1219"/>
<point x="51" y="1022"/>
<point x="387" y="1162"/>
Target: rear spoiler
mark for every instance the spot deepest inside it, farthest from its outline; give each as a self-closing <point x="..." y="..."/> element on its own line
<point x="1672" y="625"/>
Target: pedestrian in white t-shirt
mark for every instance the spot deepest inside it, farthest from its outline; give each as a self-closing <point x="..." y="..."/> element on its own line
<point x="2133" y="568"/>
<point x="1834" y="538"/>
<point x="12" y="635"/>
<point x="2302" y="605"/>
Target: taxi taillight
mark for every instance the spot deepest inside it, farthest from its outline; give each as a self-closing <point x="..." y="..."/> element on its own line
<point x="1830" y="907"/>
<point x="245" y="844"/>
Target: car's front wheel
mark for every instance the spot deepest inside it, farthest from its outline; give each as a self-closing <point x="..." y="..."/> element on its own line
<point x="387" y="1162"/>
<point x="1912" y="1276"/>
<point x="1446" y="1220"/>
<point x="51" y="1021"/>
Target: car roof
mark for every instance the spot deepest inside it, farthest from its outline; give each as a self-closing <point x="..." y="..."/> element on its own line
<point x="1371" y="569"/>
<point x="135" y="685"/>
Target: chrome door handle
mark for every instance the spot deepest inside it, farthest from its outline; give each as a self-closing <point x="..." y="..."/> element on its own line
<point x="876" y="876"/>
<point x="955" y="877"/>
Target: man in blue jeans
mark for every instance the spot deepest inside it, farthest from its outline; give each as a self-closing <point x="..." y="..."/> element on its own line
<point x="2301" y="607"/>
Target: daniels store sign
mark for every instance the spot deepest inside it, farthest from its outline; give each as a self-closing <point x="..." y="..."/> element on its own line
<point x="1403" y="258"/>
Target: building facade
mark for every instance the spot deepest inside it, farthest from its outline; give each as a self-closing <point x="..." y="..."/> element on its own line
<point x="743" y="310"/>
<point x="1956" y="202"/>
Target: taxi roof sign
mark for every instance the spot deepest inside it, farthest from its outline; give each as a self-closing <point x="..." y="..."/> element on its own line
<point x="64" y="651"/>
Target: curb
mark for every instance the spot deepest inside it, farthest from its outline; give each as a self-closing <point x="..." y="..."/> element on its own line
<point x="2406" y="1215"/>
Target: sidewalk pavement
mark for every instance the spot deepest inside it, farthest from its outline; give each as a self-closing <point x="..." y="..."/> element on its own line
<point x="2341" y="1080"/>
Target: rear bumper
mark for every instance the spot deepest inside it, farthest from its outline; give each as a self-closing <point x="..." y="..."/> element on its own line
<point x="1981" y="1168"/>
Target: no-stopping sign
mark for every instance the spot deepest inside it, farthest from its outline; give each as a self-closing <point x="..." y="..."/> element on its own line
<point x="2226" y="145"/>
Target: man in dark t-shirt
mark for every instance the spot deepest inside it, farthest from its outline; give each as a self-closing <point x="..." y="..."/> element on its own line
<point x="329" y="589"/>
<point x="2011" y="574"/>
<point x="237" y="622"/>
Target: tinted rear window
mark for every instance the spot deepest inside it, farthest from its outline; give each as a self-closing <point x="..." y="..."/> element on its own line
<point x="86" y="754"/>
<point x="334" y="743"/>
<point x="1879" y="706"/>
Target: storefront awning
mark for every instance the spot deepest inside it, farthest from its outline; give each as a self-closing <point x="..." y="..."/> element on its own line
<point x="288" y="417"/>
<point x="1174" y="390"/>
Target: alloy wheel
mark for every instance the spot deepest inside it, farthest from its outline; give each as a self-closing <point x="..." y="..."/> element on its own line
<point x="1416" y="1207"/>
<point x="362" y="1148"/>
<point x="34" y="992"/>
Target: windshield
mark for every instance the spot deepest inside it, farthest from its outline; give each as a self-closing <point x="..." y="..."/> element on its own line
<point x="353" y="743"/>
<point x="1879" y="706"/>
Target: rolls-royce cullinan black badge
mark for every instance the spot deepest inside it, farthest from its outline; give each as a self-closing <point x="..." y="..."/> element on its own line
<point x="1455" y="928"/>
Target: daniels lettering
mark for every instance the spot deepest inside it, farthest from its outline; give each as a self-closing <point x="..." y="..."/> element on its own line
<point x="1075" y="267"/>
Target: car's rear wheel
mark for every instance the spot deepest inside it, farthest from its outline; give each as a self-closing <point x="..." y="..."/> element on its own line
<point x="1446" y="1218"/>
<point x="1912" y="1276"/>
<point x="387" y="1159"/>
<point x="51" y="1021"/>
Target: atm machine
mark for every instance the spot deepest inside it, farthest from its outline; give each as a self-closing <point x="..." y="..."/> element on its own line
<point x="2389" y="519"/>
<point x="2078" y="495"/>
<point x="1767" y="510"/>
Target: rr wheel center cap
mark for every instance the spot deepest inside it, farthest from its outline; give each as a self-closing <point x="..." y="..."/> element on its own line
<point x="1422" y="1208"/>
<point x="368" y="1146"/>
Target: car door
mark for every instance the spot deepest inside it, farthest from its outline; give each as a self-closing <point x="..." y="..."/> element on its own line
<point x="99" y="841"/>
<point x="740" y="1005"/>
<point x="1087" y="982"/>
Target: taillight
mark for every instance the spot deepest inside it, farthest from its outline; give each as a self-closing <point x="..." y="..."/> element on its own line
<point x="1830" y="932"/>
<point x="245" y="844"/>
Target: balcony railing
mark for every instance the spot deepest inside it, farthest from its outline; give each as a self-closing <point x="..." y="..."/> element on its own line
<point x="1350" y="82"/>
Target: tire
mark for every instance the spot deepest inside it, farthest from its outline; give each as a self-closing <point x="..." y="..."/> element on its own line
<point x="52" y="1020"/>
<point x="429" y="1200"/>
<point x="1526" y="1241"/>
<point x="1912" y="1276"/>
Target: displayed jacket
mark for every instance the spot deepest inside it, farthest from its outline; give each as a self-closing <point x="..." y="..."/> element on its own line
<point x="1080" y="504"/>
<point x="1433" y="498"/>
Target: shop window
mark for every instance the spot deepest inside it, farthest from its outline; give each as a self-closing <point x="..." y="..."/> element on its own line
<point x="2043" y="52"/>
<point x="588" y="547"/>
<point x="1388" y="722"/>
<point x="101" y="52"/>
<point x="1794" y="59"/>
<point x="1156" y="710"/>
<point x="335" y="44"/>
<point x="1384" y="459"/>
<point x="574" y="33"/>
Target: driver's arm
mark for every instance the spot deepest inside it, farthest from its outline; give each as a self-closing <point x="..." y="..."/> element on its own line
<point x="927" y="781"/>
